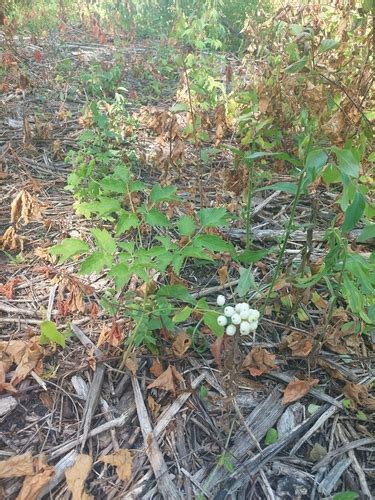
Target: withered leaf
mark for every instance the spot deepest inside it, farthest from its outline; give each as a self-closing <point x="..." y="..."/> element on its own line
<point x="9" y="287"/>
<point x="296" y="389"/>
<point x="27" y="355"/>
<point x="223" y="275"/>
<point x="259" y="361"/>
<point x="167" y="380"/>
<point x="216" y="350"/>
<point x="181" y="343"/>
<point x="131" y="364"/>
<point x="18" y="466"/>
<point x="77" y="475"/>
<point x="25" y="207"/>
<point x="156" y="368"/>
<point x="154" y="406"/>
<point x="300" y="344"/>
<point x="34" y="484"/>
<point x="123" y="462"/>
<point x="10" y="240"/>
<point x="359" y="396"/>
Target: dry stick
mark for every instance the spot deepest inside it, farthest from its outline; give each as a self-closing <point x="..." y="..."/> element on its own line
<point x="165" y="485"/>
<point x="95" y="386"/>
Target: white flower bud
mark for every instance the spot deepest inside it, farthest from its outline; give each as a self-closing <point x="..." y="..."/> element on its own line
<point x="222" y="321"/>
<point x="220" y="300"/>
<point x="236" y="319"/>
<point x="245" y="328"/>
<point x="229" y="311"/>
<point x="237" y="308"/>
<point x="230" y="330"/>
<point x="253" y="325"/>
<point x="244" y="306"/>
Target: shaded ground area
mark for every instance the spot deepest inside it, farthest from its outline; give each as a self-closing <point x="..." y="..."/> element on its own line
<point x="205" y="436"/>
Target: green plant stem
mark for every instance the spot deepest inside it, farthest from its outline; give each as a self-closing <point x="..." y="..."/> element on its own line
<point x="131" y="343"/>
<point x="285" y="242"/>
<point x="248" y="205"/>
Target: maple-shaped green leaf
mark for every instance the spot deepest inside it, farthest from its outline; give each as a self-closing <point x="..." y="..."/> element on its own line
<point x="213" y="217"/>
<point x="68" y="248"/>
<point x="49" y="333"/>
<point x="159" y="193"/>
<point x="104" y="240"/>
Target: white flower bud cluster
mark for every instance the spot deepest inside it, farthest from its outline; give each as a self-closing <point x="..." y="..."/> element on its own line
<point x="241" y="316"/>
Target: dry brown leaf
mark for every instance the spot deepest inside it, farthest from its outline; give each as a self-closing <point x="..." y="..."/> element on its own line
<point x="25" y="207"/>
<point x="112" y="335"/>
<point x="264" y="102"/>
<point x="223" y="275"/>
<point x="26" y="355"/>
<point x="296" y="389"/>
<point x="131" y="364"/>
<point x="77" y="475"/>
<point x="259" y="361"/>
<point x="300" y="344"/>
<point x="359" y="396"/>
<point x="156" y="368"/>
<point x="9" y="287"/>
<point x="167" y="380"/>
<point x="154" y="406"/>
<point x="123" y="462"/>
<point x="333" y="372"/>
<point x="181" y="343"/>
<point x="216" y="350"/>
<point x="34" y="484"/>
<point x="18" y="466"/>
<point x="10" y="240"/>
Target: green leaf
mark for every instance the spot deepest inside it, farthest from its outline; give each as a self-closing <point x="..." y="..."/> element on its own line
<point x="331" y="174"/>
<point x="210" y="320"/>
<point x="250" y="256"/>
<point x="69" y="247"/>
<point x="49" y="333"/>
<point x="361" y="416"/>
<point x="246" y="282"/>
<point x="104" y="240"/>
<point x="179" y="107"/>
<point x="126" y="221"/>
<point x="156" y="218"/>
<point x="367" y="233"/>
<point x="182" y="315"/>
<point x="288" y="187"/>
<point x="354" y="212"/>
<point x="195" y="253"/>
<point x="135" y="186"/>
<point x="110" y="184"/>
<point x="296" y="66"/>
<point x="348" y="164"/>
<point x="186" y="225"/>
<point x="213" y="243"/>
<point x="121" y="274"/>
<point x="177" y="292"/>
<point x="315" y="161"/>
<point x="312" y="408"/>
<point x="95" y="263"/>
<point x="271" y="436"/>
<point x="123" y="173"/>
<point x="346" y="495"/>
<point x="212" y="217"/>
<point x="159" y="193"/>
<point x="328" y="44"/>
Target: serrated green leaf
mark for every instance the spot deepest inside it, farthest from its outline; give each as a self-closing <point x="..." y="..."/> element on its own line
<point x="104" y="240"/>
<point x="126" y="221"/>
<point x="69" y="247"/>
<point x="296" y="66"/>
<point x="156" y="218"/>
<point x="250" y="256"/>
<point x="354" y="212"/>
<point x="110" y="184"/>
<point x="315" y="161"/>
<point x="328" y="44"/>
<point x="288" y="187"/>
<point x="271" y="437"/>
<point x="95" y="263"/>
<point x="159" y="193"/>
<point x="178" y="292"/>
<point x="179" y="107"/>
<point x="121" y="274"/>
<point x="346" y="495"/>
<point x="213" y="243"/>
<point x="49" y="333"/>
<point x="186" y="225"/>
<point x="213" y="217"/>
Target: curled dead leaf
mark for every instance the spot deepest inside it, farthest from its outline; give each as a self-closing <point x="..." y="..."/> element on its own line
<point x="9" y="287"/>
<point x="131" y="364"/>
<point x="77" y="475"/>
<point x="181" y="343"/>
<point x="296" y="389"/>
<point x="359" y="396"/>
<point x="18" y="466"/>
<point x="300" y="344"/>
<point x="259" y="361"/>
<point x="223" y="275"/>
<point x="156" y="368"/>
<point x="25" y="208"/>
<point x="167" y="380"/>
<point x="154" y="406"/>
<point x="10" y="240"/>
<point x="122" y="460"/>
<point x="27" y="355"/>
<point x="35" y="483"/>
